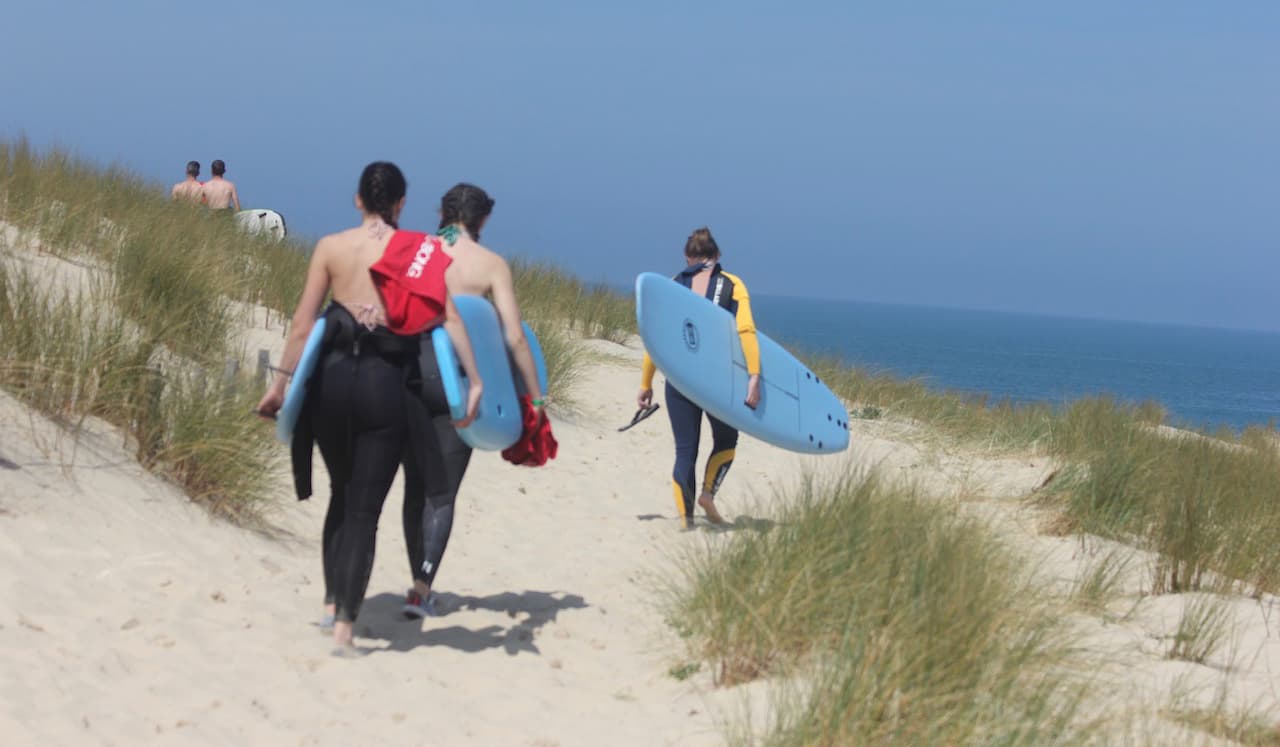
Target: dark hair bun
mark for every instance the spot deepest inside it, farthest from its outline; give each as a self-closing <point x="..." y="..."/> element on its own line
<point x="466" y="204"/>
<point x="701" y="245"/>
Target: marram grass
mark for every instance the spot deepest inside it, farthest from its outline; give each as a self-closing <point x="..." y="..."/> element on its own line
<point x="62" y="355"/>
<point x="893" y="621"/>
<point x="1209" y="504"/>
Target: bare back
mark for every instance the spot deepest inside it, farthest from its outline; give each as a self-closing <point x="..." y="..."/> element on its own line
<point x="189" y="190"/>
<point x="700" y="282"/>
<point x="220" y="194"/>
<point x="474" y="268"/>
<point x="346" y="258"/>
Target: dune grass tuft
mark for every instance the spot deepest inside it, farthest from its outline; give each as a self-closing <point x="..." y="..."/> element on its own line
<point x="1204" y="502"/>
<point x="1102" y="580"/>
<point x="897" y="622"/>
<point x="549" y="293"/>
<point x="1206" y="624"/>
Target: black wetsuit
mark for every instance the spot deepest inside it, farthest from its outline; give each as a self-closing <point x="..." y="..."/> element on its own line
<point x="428" y="514"/>
<point x="364" y="410"/>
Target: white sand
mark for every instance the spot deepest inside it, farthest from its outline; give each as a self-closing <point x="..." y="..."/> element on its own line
<point x="129" y="616"/>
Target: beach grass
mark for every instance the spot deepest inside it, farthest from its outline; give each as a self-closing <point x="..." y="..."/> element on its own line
<point x="548" y="293"/>
<point x="565" y="363"/>
<point x="1204" y="627"/>
<point x="142" y="337"/>
<point x="1207" y="503"/>
<point x="1102" y="580"/>
<point x="894" y="621"/>
<point x="64" y="353"/>
<point x="1242" y="726"/>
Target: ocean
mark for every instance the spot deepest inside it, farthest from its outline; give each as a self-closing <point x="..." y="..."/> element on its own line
<point x="1204" y="377"/>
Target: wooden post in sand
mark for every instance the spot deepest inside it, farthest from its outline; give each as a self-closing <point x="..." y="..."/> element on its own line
<point x="229" y="371"/>
<point x="264" y="365"/>
<point x="147" y="425"/>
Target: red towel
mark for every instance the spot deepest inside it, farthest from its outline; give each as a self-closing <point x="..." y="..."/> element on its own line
<point x="410" y="279"/>
<point x="536" y="445"/>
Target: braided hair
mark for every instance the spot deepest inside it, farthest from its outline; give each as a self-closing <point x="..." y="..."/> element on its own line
<point x="466" y="204"/>
<point x="381" y="187"/>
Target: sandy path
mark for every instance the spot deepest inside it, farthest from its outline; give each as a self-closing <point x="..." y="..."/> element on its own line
<point x="128" y="615"/>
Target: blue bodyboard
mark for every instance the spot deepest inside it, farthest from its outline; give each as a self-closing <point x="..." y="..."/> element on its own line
<point x="287" y="418"/>
<point x="498" y="423"/>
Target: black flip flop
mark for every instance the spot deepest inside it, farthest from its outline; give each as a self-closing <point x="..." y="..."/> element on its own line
<point x="641" y="414"/>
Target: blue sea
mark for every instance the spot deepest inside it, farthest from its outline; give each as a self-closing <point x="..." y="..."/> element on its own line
<point x="1204" y="377"/>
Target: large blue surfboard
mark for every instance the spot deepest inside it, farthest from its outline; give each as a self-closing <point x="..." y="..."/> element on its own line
<point x="296" y="394"/>
<point x="498" y="422"/>
<point x="695" y="344"/>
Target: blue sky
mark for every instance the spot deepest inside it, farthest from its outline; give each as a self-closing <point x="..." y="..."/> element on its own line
<point x="1098" y="159"/>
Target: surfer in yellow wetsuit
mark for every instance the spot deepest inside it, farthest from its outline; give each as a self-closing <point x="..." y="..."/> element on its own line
<point x="703" y="276"/>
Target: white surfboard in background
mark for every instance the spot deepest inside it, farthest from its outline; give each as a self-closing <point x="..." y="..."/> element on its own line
<point x="263" y="222"/>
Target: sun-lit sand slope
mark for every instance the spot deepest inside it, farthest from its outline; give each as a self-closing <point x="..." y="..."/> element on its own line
<point x="128" y="616"/>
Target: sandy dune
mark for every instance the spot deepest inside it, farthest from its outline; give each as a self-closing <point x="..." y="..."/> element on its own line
<point x="129" y="616"/>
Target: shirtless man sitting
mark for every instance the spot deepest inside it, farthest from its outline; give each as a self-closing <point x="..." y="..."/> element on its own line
<point x="190" y="189"/>
<point x="219" y="193"/>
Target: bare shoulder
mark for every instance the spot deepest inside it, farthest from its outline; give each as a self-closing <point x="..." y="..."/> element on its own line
<point x="491" y="260"/>
<point x="326" y="243"/>
<point x="344" y="236"/>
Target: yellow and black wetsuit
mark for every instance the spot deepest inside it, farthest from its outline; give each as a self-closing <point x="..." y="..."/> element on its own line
<point x="730" y="293"/>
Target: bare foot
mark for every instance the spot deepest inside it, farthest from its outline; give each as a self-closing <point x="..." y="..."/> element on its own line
<point x="709" y="505"/>
<point x="343" y="634"/>
<point x="348" y="651"/>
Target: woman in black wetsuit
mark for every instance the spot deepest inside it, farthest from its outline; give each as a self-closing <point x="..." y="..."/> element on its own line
<point x="478" y="271"/>
<point x="364" y="408"/>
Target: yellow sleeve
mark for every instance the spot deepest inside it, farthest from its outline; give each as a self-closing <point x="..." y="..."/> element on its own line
<point x="747" y="328"/>
<point x="646" y="372"/>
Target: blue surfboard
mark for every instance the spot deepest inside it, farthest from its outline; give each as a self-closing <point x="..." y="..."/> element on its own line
<point x="498" y="422"/>
<point x="695" y="344"/>
<point x="296" y="394"/>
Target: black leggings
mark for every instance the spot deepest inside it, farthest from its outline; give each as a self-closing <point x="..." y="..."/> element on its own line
<point x="686" y="426"/>
<point x="360" y="423"/>
<point x="428" y="516"/>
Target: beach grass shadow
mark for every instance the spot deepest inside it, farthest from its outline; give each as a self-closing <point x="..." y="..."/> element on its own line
<point x="743" y="523"/>
<point x="528" y="611"/>
<point x="740" y="523"/>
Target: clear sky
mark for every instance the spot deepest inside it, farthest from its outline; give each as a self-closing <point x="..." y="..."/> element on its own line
<point x="1110" y="159"/>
